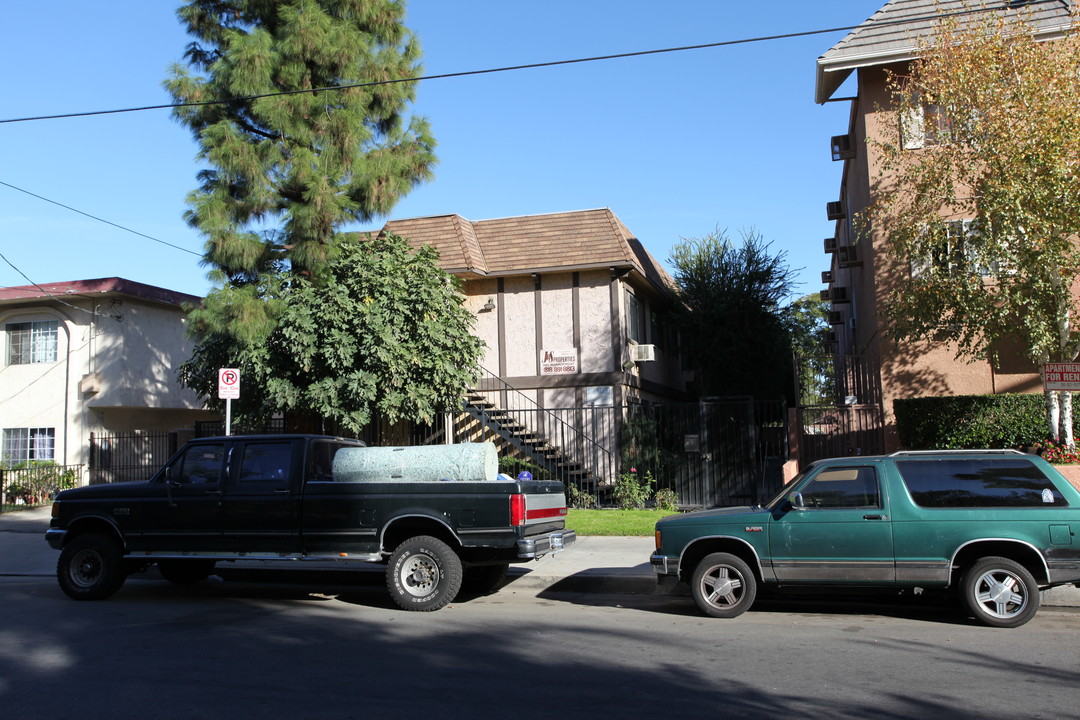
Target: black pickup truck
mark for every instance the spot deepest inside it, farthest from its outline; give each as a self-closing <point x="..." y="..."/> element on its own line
<point x="285" y="498"/>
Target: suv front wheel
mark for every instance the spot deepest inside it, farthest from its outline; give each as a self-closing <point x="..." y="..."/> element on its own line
<point x="1000" y="592"/>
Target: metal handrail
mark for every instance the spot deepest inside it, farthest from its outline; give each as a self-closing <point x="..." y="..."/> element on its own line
<point x="526" y="405"/>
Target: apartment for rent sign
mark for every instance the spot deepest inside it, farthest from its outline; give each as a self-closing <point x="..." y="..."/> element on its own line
<point x="1062" y="376"/>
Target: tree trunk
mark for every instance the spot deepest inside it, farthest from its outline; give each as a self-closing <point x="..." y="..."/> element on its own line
<point x="1066" y="420"/>
<point x="1053" y="415"/>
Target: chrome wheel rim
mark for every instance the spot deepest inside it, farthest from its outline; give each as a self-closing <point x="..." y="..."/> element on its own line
<point x="1001" y="594"/>
<point x="419" y="575"/>
<point x="722" y="586"/>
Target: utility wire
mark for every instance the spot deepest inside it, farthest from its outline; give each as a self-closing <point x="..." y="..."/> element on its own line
<point x="44" y="292"/>
<point x="94" y="217"/>
<point x="529" y="66"/>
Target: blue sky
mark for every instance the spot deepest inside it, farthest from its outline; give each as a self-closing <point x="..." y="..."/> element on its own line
<point x="677" y="145"/>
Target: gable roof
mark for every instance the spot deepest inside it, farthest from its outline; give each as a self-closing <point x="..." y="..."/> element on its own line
<point x="893" y="33"/>
<point x="557" y="242"/>
<point x="102" y="286"/>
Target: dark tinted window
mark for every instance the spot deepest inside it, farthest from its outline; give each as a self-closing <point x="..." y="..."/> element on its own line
<point x="266" y="463"/>
<point x="963" y="482"/>
<point x="843" y="487"/>
<point x="200" y="465"/>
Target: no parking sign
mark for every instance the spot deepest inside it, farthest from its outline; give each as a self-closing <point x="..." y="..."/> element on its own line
<point x="228" y="384"/>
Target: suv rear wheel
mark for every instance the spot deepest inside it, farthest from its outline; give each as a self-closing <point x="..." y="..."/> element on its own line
<point x="1000" y="592"/>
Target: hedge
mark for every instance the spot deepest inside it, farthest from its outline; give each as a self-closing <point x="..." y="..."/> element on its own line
<point x="971" y="421"/>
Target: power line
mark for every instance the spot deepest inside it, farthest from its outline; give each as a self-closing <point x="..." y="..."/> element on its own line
<point x="44" y="292"/>
<point x="530" y="66"/>
<point x="94" y="217"/>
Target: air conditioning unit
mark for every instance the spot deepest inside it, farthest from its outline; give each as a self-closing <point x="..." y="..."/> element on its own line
<point x="826" y="277"/>
<point x="836" y="317"/>
<point x="848" y="256"/>
<point x="642" y="353"/>
<point x="835" y="210"/>
<point x="841" y="147"/>
<point x="830" y="244"/>
<point x="826" y="295"/>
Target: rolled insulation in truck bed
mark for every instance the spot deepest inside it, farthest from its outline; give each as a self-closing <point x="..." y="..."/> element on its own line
<point x="471" y="462"/>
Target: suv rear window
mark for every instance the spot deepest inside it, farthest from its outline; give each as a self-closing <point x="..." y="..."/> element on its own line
<point x="971" y="483"/>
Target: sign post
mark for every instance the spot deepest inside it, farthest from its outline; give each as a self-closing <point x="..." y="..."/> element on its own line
<point x="228" y="390"/>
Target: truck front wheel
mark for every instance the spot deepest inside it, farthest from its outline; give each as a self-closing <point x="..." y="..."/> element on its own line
<point x="424" y="574"/>
<point x="91" y="567"/>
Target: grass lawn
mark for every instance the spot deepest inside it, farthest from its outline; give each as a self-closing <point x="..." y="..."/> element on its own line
<point x="635" y="523"/>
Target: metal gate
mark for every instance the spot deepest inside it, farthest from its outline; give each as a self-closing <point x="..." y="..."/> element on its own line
<point x="117" y="458"/>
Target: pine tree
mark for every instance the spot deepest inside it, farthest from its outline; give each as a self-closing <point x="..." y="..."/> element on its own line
<point x="291" y="158"/>
<point x="301" y="135"/>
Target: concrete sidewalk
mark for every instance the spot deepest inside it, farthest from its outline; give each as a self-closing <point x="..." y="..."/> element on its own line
<point x="615" y="565"/>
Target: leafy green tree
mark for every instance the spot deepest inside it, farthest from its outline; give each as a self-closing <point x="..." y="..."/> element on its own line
<point x="301" y="135"/>
<point x="808" y="322"/>
<point x="731" y="317"/>
<point x="981" y="216"/>
<point x="385" y="333"/>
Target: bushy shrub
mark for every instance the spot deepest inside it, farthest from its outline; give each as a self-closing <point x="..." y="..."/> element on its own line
<point x="971" y="421"/>
<point x="666" y="499"/>
<point x="631" y="491"/>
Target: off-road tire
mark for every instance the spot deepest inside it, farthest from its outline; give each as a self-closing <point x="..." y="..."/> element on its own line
<point x="91" y="567"/>
<point x="423" y="574"/>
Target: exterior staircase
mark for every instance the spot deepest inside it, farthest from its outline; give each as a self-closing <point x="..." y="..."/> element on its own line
<point x="538" y="435"/>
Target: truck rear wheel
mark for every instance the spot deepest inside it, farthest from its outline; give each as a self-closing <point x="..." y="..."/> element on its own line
<point x="1000" y="592"/>
<point x="91" y="567"/>
<point x="423" y="574"/>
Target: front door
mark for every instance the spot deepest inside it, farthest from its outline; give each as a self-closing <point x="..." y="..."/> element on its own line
<point x="841" y="532"/>
<point x="183" y="507"/>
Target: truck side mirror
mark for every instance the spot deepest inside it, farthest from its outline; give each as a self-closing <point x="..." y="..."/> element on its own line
<point x="796" y="501"/>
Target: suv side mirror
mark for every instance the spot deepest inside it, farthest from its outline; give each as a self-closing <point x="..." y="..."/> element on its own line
<point x="170" y="476"/>
<point x="796" y="501"/>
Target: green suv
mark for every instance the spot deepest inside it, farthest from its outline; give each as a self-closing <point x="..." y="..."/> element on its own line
<point x="995" y="525"/>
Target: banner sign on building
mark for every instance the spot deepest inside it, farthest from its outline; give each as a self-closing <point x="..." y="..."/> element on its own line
<point x="1062" y="376"/>
<point x="558" y="362"/>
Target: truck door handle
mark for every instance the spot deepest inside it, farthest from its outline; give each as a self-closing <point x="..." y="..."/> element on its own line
<point x="874" y="517"/>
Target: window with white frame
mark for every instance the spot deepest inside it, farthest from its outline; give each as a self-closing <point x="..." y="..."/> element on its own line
<point x="31" y="342"/>
<point x="924" y="126"/>
<point x="23" y="445"/>
<point x="952" y="249"/>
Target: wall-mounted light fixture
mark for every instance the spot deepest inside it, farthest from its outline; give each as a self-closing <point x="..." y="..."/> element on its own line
<point x="488" y="306"/>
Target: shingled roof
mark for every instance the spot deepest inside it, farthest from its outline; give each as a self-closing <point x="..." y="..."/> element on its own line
<point x="892" y="34"/>
<point x="558" y="242"/>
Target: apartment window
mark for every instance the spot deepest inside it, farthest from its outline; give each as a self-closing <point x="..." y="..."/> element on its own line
<point x="635" y="318"/>
<point x="31" y="342"/>
<point x="952" y="249"/>
<point x="924" y="126"/>
<point x="22" y="445"/>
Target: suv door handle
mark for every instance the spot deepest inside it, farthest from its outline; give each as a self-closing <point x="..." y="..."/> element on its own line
<point x="875" y="517"/>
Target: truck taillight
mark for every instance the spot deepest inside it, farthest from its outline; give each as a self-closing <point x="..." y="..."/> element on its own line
<point x="517" y="509"/>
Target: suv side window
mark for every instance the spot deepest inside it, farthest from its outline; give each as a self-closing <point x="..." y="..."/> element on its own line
<point x="843" y="487"/>
<point x="972" y="483"/>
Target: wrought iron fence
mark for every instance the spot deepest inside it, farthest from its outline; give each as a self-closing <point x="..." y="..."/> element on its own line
<point x="135" y="456"/>
<point x="36" y="483"/>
